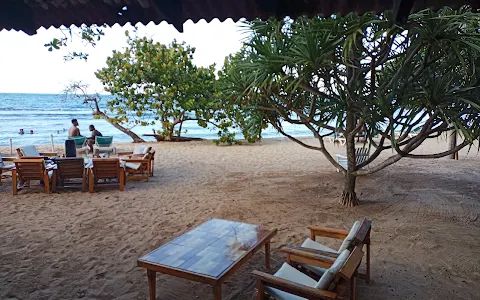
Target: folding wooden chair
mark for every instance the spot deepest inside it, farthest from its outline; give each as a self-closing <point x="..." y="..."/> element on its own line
<point x="70" y="168"/>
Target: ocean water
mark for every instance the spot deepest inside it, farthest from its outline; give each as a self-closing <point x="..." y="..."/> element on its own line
<point x="51" y="114"/>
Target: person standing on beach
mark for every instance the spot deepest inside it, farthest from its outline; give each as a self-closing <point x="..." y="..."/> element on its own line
<point x="74" y="130"/>
<point x="91" y="140"/>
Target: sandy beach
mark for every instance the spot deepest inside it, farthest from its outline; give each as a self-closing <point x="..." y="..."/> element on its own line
<point x="74" y="245"/>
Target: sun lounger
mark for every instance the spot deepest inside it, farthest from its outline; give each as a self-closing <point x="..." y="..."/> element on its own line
<point x="289" y="283"/>
<point x="80" y="144"/>
<point x="70" y="168"/>
<point x="106" y="169"/>
<point x="139" y="151"/>
<point x="361" y="155"/>
<point x="359" y="234"/>
<point x="31" y="151"/>
<point x="103" y="144"/>
<point x="29" y="169"/>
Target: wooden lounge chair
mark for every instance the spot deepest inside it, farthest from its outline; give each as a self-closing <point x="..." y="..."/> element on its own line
<point x="70" y="168"/>
<point x="106" y="169"/>
<point x="138" y="168"/>
<point x="31" y="151"/>
<point x="289" y="283"/>
<point x="103" y="144"/>
<point x="361" y="155"/>
<point x="30" y="169"/>
<point x="359" y="234"/>
<point x="80" y="144"/>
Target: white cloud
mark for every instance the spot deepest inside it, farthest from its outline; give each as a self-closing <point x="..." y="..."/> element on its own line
<point x="27" y="67"/>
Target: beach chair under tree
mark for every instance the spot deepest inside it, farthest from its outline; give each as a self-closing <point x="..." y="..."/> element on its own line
<point x="80" y="144"/>
<point x="103" y="171"/>
<point x="31" y="151"/>
<point x="361" y="155"/>
<point x="103" y="144"/>
<point x="289" y="283"/>
<point x="69" y="168"/>
<point x="31" y="169"/>
<point x="359" y="234"/>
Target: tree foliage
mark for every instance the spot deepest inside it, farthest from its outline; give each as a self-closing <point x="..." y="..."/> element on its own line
<point x="155" y="84"/>
<point x="365" y="74"/>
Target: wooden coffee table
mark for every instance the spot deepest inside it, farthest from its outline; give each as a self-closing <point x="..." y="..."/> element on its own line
<point x="210" y="253"/>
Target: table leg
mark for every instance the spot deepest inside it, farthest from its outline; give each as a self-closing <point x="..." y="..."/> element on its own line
<point x="267" y="254"/>
<point x="217" y="291"/>
<point x="152" y="283"/>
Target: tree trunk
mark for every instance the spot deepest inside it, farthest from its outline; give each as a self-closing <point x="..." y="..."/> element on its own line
<point x="453" y="143"/>
<point x="133" y="135"/>
<point x="349" y="197"/>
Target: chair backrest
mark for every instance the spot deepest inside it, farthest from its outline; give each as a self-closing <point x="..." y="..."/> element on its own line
<point x="103" y="141"/>
<point x="30" y="169"/>
<point x="363" y="233"/>
<point x="70" y="167"/>
<point x="104" y="168"/>
<point x="29" y="150"/>
<point x="80" y="141"/>
<point x="361" y="155"/>
<point x="351" y="265"/>
<point x="141" y="149"/>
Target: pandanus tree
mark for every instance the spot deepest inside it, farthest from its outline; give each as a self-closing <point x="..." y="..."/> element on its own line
<point x="364" y="74"/>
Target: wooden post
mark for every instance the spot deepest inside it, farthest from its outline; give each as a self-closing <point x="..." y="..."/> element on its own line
<point x="267" y="254"/>
<point x="11" y="146"/>
<point x="51" y="140"/>
<point x="453" y="143"/>
<point x="217" y="291"/>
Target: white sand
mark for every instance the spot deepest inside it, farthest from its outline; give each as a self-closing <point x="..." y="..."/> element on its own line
<point x="78" y="245"/>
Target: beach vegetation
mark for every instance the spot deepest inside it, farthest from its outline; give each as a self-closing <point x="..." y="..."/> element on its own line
<point x="366" y="77"/>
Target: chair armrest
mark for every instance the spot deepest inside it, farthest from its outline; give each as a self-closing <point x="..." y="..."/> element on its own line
<point x="328" y="232"/>
<point x="293" y="287"/>
<point x="48" y="154"/>
<point x="309" y="256"/>
<point x="9" y="158"/>
<point x="138" y="161"/>
<point x="125" y="153"/>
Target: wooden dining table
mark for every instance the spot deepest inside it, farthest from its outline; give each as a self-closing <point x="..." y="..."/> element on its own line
<point x="209" y="253"/>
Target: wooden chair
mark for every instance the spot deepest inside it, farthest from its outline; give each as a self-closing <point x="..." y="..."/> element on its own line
<point x="70" y="168"/>
<point x="359" y="234"/>
<point x="31" y="151"/>
<point x="30" y="169"/>
<point x="106" y="168"/>
<point x="138" y="168"/>
<point x="288" y="283"/>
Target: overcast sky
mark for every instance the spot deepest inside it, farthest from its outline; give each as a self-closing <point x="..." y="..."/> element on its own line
<point x="27" y="67"/>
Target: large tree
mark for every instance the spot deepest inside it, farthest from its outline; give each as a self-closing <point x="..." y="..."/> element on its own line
<point x="156" y="84"/>
<point x="398" y="84"/>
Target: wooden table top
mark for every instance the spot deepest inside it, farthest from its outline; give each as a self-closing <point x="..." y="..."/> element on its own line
<point x="208" y="252"/>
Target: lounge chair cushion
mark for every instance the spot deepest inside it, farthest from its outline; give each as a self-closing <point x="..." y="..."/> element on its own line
<point x="30" y="151"/>
<point x="317" y="246"/>
<point x="351" y="235"/>
<point x="140" y="149"/>
<point x="327" y="278"/>
<point x="290" y="273"/>
<point x="133" y="166"/>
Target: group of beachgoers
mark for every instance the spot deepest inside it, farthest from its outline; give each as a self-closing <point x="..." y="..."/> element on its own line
<point x="23" y="132"/>
<point x="75" y="131"/>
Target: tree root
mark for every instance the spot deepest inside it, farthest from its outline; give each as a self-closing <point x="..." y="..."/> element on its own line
<point x="349" y="199"/>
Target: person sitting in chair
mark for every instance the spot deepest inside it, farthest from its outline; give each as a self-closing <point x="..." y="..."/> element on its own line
<point x="91" y="140"/>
